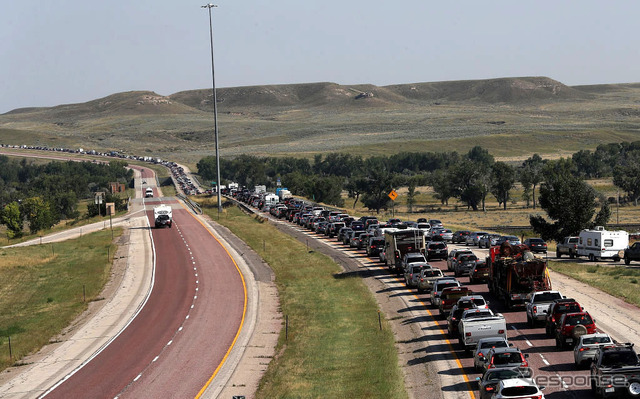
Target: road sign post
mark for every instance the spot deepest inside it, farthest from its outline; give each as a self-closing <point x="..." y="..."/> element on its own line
<point x="393" y="195"/>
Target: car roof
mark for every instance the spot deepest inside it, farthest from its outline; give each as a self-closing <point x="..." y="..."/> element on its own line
<point x="517" y="382"/>
<point x="511" y="349"/>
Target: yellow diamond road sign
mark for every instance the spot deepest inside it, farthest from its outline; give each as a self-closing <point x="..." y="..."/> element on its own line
<point x="393" y="195"/>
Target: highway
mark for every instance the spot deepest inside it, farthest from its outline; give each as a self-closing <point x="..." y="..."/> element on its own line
<point x="187" y="326"/>
<point x="443" y="355"/>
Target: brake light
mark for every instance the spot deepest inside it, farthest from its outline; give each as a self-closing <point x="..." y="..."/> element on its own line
<point x="535" y="308"/>
<point x="480" y="354"/>
<point x="500" y="331"/>
<point x="489" y="388"/>
<point x="583" y="349"/>
<point x="467" y="334"/>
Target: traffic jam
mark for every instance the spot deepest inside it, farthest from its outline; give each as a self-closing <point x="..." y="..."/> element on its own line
<point x="507" y="333"/>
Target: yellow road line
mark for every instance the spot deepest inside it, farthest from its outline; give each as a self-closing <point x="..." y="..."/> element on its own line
<point x="244" y="307"/>
<point x="446" y="339"/>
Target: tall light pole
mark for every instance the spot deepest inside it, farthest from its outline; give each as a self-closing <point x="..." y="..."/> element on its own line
<point x="215" y="110"/>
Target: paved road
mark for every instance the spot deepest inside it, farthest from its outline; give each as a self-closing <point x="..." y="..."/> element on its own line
<point x="186" y="328"/>
<point x="554" y="368"/>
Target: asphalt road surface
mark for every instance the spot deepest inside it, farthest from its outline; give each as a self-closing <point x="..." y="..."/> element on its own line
<point x="184" y="331"/>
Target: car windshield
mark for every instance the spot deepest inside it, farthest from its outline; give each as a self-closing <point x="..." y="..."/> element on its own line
<point x="476" y="315"/>
<point x="567" y="308"/>
<point x="468" y="258"/>
<point x="454" y="296"/>
<point x="596" y="340"/>
<point x="547" y="297"/>
<point x="617" y="359"/>
<point x="536" y="241"/>
<point x="478" y="301"/>
<point x="437" y="246"/>
<point x="433" y="273"/>
<point x="445" y="285"/>
<point x="519" y="391"/>
<point x="507" y="358"/>
<point x="502" y="374"/>
<point x="578" y="319"/>
<point x="494" y="344"/>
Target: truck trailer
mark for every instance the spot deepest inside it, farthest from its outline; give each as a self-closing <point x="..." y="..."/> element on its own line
<point x="398" y="242"/>
<point x="163" y="216"/>
<point x="600" y="244"/>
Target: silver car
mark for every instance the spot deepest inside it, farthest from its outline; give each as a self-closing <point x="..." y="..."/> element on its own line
<point x="587" y="347"/>
<point x="412" y="273"/>
<point x="427" y="277"/>
<point x="484" y="344"/>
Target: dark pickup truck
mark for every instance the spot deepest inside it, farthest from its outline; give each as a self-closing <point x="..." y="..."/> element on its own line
<point x="615" y="370"/>
<point x="632" y="253"/>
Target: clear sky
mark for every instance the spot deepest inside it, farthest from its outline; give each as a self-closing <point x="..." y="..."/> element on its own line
<point x="70" y="51"/>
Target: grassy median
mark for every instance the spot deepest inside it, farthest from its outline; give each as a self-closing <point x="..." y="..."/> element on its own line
<point x="335" y="348"/>
<point x="45" y="287"/>
<point x="619" y="281"/>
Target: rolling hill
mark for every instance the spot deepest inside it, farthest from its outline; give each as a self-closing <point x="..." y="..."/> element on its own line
<point x="531" y="114"/>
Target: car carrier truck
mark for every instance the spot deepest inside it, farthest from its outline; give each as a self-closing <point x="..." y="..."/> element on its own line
<point x="163" y="216"/>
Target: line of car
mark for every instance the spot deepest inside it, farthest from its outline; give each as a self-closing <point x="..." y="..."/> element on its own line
<point x="505" y="369"/>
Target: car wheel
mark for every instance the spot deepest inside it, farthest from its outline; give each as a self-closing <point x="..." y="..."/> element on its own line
<point x="591" y="258"/>
<point x="616" y="259"/>
<point x="558" y="343"/>
<point x="634" y="389"/>
<point x="627" y="261"/>
<point x="529" y="321"/>
<point x="572" y="255"/>
<point x="558" y="254"/>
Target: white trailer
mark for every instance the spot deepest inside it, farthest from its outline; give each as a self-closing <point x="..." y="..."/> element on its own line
<point x="163" y="216"/>
<point x="600" y="244"/>
<point x="271" y="199"/>
<point x="284" y="194"/>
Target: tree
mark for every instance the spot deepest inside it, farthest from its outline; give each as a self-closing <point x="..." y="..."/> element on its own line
<point x="379" y="183"/>
<point x="532" y="173"/>
<point x="503" y="180"/>
<point x="443" y="186"/>
<point x="37" y="212"/>
<point x="627" y="177"/>
<point x="567" y="199"/>
<point x="12" y="218"/>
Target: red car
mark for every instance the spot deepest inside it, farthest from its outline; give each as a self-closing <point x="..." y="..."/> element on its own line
<point x="571" y="326"/>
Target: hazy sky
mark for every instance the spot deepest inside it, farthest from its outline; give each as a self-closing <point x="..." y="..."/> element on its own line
<point x="69" y="51"/>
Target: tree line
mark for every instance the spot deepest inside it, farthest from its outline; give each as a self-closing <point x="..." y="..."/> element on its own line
<point x="42" y="195"/>
<point x="468" y="177"/>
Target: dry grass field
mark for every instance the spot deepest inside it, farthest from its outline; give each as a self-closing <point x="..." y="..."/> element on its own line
<point x="512" y="117"/>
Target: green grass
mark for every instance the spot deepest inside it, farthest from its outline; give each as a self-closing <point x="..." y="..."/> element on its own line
<point x="619" y="281"/>
<point x="42" y="289"/>
<point x="335" y="348"/>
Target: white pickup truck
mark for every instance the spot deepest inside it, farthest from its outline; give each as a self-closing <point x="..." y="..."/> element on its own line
<point x="537" y="305"/>
<point x="472" y="329"/>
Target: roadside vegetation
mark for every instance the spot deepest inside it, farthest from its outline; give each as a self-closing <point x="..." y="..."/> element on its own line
<point x="39" y="195"/>
<point x="335" y="347"/>
<point x="619" y="281"/>
<point x="45" y="287"/>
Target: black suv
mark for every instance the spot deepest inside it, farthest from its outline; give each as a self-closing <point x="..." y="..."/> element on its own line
<point x="437" y="250"/>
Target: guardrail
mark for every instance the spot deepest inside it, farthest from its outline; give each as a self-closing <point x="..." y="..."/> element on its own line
<point x="193" y="205"/>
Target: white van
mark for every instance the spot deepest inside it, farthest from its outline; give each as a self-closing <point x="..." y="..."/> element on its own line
<point x="600" y="243"/>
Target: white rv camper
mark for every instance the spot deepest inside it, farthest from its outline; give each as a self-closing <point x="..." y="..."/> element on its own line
<point x="600" y="244"/>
